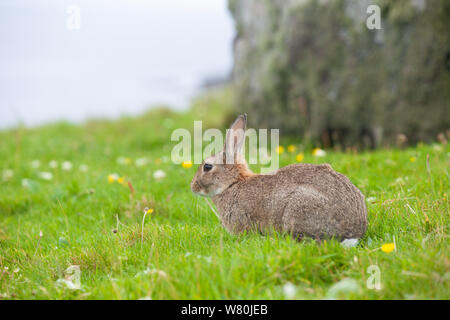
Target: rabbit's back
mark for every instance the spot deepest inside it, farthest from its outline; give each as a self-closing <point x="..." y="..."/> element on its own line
<point x="323" y="203"/>
<point x="303" y="199"/>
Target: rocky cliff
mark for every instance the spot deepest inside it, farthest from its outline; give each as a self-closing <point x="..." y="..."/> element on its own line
<point x="314" y="69"/>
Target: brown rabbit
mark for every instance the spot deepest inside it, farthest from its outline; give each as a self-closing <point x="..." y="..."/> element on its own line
<point x="301" y="199"/>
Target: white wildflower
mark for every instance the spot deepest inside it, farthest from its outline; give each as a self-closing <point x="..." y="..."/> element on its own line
<point x="7" y="174"/>
<point x="53" y="164"/>
<point x="67" y="165"/>
<point x="35" y="164"/>
<point x="83" y="168"/>
<point x="45" y="175"/>
<point x="398" y="181"/>
<point x="26" y="183"/>
<point x="113" y="177"/>
<point x="317" y="152"/>
<point x="159" y="175"/>
<point x="123" y="160"/>
<point x="289" y="290"/>
<point x="141" y="162"/>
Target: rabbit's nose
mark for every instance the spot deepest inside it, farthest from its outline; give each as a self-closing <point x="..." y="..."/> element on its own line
<point x="195" y="187"/>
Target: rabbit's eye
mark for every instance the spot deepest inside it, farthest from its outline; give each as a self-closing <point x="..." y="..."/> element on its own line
<point x="207" y="167"/>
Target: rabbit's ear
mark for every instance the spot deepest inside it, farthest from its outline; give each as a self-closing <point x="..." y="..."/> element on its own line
<point x="235" y="139"/>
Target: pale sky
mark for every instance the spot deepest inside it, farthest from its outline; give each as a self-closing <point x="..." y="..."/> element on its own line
<point x="127" y="55"/>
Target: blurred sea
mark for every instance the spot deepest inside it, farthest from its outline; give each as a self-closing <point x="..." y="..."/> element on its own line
<point x="126" y="56"/>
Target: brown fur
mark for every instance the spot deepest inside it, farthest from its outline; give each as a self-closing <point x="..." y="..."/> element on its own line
<point x="301" y="199"/>
<point x="244" y="172"/>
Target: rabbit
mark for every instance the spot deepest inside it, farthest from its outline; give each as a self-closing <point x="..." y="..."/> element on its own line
<point x="304" y="200"/>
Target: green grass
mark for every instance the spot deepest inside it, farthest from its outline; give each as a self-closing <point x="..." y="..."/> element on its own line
<point x="77" y="212"/>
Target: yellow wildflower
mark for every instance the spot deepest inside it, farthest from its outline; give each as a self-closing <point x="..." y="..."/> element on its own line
<point x="291" y="148"/>
<point x="122" y="181"/>
<point x="158" y="161"/>
<point x="186" y="164"/>
<point x="112" y="177"/>
<point x="412" y="159"/>
<point x="280" y="149"/>
<point x="299" y="157"/>
<point x="388" y="247"/>
<point x="150" y="211"/>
